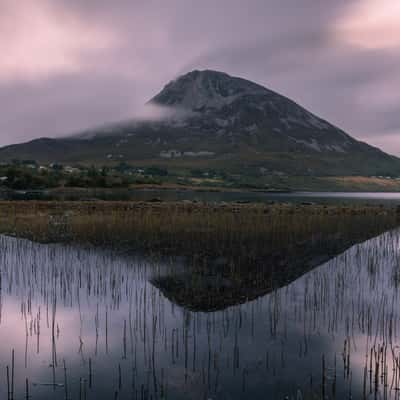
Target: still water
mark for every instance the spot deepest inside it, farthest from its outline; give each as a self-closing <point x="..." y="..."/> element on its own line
<point x="89" y="324"/>
<point x="388" y="198"/>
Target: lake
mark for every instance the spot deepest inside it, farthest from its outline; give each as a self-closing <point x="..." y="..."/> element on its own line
<point x="168" y="195"/>
<point x="84" y="323"/>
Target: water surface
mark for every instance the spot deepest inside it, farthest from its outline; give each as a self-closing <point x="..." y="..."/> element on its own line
<point x="388" y="198"/>
<point x="90" y="324"/>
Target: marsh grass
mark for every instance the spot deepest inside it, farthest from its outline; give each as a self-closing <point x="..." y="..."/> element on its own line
<point x="187" y="225"/>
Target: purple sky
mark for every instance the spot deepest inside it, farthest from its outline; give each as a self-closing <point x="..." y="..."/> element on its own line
<point x="71" y="64"/>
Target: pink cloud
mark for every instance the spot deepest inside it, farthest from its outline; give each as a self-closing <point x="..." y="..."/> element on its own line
<point x="39" y="40"/>
<point x="371" y="24"/>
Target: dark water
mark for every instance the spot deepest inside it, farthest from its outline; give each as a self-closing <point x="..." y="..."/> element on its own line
<point x="208" y="196"/>
<point x="265" y="197"/>
<point x="333" y="332"/>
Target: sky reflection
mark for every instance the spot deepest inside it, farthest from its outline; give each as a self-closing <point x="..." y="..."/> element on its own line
<point x="93" y="308"/>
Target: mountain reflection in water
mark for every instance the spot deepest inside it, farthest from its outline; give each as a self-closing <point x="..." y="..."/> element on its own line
<point x="89" y="324"/>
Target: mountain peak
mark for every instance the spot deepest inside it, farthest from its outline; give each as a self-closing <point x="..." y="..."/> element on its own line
<point x="198" y="90"/>
<point x="215" y="121"/>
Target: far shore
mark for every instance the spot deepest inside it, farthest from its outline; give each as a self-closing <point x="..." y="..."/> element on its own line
<point x="286" y="185"/>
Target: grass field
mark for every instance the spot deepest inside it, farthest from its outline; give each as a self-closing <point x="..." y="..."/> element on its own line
<point x="187" y="225"/>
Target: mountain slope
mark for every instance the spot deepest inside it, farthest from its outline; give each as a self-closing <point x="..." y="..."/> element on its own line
<point x="213" y="120"/>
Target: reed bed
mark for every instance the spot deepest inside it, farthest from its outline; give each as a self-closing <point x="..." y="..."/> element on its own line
<point x="188" y="227"/>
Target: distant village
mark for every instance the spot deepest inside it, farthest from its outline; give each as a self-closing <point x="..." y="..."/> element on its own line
<point x="29" y="174"/>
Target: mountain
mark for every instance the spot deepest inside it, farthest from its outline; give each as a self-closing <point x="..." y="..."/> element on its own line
<point x="210" y="120"/>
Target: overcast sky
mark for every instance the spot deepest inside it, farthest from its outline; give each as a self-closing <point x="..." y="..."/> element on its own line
<point x="66" y="65"/>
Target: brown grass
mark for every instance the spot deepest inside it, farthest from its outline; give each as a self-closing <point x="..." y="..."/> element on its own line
<point x="188" y="226"/>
